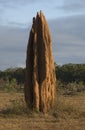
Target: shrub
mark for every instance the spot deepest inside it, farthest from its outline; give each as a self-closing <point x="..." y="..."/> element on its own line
<point x="10" y="85"/>
<point x="73" y="88"/>
<point x="70" y="88"/>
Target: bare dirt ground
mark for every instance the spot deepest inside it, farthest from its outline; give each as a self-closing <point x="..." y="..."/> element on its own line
<point x="67" y="117"/>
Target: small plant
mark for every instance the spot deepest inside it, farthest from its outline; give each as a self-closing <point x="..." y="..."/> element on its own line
<point x="60" y="87"/>
<point x="10" y="85"/>
<point x="70" y="88"/>
<point x="80" y="87"/>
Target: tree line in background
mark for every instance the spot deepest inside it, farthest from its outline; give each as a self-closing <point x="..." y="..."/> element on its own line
<point x="71" y="73"/>
<point x="12" y="79"/>
<point x="71" y="78"/>
<point x="67" y="75"/>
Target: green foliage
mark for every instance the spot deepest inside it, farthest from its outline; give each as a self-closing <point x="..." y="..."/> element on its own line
<point x="73" y="88"/>
<point x="65" y="73"/>
<point x="10" y="86"/>
<point x="70" y="78"/>
<point x="70" y="88"/>
<point x="60" y="87"/>
<point x="71" y="73"/>
<point x="16" y="73"/>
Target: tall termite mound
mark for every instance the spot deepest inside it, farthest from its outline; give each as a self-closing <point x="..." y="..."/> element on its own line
<point x="40" y="71"/>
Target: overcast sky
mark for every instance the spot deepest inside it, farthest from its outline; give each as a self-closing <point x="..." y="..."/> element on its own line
<point x="66" y="19"/>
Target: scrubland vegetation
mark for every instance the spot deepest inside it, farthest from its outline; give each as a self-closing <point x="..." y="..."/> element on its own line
<point x="69" y="110"/>
<point x="70" y="78"/>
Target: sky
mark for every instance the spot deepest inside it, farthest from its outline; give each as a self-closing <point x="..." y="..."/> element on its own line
<point x="66" y="20"/>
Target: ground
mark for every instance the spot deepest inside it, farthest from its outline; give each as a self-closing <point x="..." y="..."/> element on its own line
<point x="70" y="114"/>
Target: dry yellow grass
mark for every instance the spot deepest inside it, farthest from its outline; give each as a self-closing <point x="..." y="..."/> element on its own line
<point x="70" y="114"/>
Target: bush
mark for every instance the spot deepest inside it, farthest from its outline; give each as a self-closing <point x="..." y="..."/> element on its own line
<point x="70" y="88"/>
<point x="73" y="88"/>
<point x="60" y="87"/>
<point x="10" y="85"/>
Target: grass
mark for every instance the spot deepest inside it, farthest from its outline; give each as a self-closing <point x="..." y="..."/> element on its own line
<point x="63" y="109"/>
<point x="68" y="114"/>
<point x="16" y="108"/>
